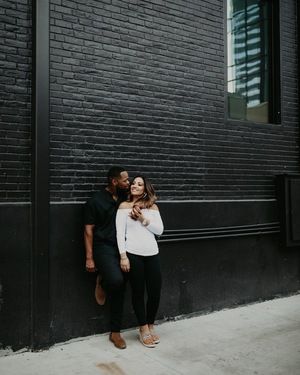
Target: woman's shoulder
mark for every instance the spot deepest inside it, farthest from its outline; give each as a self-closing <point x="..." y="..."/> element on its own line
<point x="125" y="204"/>
<point x="154" y="207"/>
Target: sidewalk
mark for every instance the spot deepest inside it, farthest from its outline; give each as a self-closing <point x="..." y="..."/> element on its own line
<point x="258" y="339"/>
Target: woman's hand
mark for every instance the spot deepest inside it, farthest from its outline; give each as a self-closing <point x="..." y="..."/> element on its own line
<point x="125" y="264"/>
<point x="136" y="212"/>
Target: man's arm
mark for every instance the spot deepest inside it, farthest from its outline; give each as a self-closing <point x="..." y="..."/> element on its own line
<point x="88" y="242"/>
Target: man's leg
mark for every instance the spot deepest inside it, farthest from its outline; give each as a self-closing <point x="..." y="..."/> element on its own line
<point x="108" y="263"/>
<point x="99" y="291"/>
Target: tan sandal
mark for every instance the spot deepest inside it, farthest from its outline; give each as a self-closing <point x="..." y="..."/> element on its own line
<point x="155" y="337"/>
<point x="147" y="340"/>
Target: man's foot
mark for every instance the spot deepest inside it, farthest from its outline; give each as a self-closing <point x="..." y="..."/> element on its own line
<point x="117" y="340"/>
<point x="99" y="292"/>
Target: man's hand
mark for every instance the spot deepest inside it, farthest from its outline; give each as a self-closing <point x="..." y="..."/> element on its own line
<point x="90" y="265"/>
<point x="88" y="242"/>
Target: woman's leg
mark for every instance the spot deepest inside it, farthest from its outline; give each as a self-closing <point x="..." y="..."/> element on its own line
<point x="137" y="282"/>
<point x="153" y="285"/>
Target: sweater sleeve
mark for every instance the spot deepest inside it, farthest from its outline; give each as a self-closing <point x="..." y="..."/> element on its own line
<point x="121" y="219"/>
<point x="156" y="225"/>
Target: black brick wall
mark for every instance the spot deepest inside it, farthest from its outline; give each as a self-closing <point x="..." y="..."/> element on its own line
<point x="15" y="100"/>
<point x="142" y="84"/>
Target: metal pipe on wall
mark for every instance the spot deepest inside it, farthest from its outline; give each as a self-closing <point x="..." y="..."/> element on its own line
<point x="40" y="305"/>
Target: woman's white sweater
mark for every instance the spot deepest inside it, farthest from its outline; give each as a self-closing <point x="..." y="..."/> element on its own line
<point x="135" y="238"/>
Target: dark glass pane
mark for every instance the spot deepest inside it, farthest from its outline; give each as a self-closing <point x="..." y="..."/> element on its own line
<point x="248" y="60"/>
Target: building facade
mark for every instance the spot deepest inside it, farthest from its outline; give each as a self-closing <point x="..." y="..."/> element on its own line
<point x="200" y="96"/>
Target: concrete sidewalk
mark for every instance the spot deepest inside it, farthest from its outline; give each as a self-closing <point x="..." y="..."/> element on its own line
<point x="260" y="339"/>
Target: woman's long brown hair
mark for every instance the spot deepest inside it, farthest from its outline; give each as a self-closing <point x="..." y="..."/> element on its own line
<point x="148" y="198"/>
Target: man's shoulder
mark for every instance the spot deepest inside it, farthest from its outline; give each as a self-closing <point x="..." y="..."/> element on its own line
<point x="97" y="198"/>
<point x="99" y="194"/>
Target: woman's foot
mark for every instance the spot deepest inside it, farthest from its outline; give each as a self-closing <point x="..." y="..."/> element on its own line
<point x="155" y="337"/>
<point x="146" y="337"/>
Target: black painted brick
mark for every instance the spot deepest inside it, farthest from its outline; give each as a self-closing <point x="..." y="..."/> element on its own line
<point x="15" y="100"/>
<point x="142" y="84"/>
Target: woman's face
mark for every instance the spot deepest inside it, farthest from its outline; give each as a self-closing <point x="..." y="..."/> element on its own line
<point x="137" y="187"/>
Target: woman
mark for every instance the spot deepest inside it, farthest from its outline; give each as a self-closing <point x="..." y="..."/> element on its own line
<point x="136" y="230"/>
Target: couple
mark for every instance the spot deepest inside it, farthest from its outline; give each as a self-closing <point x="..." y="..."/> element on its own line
<point x="119" y="236"/>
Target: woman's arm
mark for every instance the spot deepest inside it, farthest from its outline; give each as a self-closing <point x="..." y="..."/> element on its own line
<point x="121" y="218"/>
<point x="153" y="224"/>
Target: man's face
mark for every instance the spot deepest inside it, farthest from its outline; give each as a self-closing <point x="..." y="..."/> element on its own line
<point x="123" y="181"/>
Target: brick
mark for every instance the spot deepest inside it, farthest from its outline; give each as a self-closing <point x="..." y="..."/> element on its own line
<point x="15" y="112"/>
<point x="142" y="83"/>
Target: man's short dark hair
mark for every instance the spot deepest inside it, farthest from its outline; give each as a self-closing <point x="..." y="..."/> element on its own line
<point x="114" y="172"/>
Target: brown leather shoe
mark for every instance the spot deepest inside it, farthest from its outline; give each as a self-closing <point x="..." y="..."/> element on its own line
<point x="117" y="340"/>
<point x="99" y="292"/>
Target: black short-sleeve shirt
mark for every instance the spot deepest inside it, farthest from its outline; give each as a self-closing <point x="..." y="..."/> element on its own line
<point x="100" y="210"/>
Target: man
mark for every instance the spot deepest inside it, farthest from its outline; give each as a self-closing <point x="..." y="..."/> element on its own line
<point x="101" y="248"/>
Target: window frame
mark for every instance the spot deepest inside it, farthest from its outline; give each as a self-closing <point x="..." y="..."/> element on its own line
<point x="274" y="109"/>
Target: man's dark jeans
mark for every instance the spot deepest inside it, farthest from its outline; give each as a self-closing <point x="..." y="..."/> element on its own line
<point x="107" y="261"/>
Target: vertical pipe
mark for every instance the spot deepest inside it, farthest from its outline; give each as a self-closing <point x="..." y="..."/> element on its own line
<point x="298" y="51"/>
<point x="40" y="306"/>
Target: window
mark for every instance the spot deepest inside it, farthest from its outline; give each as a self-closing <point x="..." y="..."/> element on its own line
<point x="253" y="61"/>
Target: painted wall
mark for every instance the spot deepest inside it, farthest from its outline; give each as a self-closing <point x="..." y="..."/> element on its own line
<point x="217" y="269"/>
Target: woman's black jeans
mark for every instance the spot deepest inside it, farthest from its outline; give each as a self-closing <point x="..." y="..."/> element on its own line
<point x="145" y="275"/>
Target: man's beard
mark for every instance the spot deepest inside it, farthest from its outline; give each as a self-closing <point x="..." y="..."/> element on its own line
<point x="122" y="193"/>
